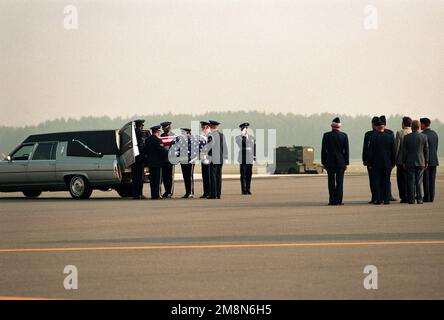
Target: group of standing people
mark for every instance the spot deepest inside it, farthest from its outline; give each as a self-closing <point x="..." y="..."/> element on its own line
<point x="414" y="152"/>
<point x="161" y="150"/>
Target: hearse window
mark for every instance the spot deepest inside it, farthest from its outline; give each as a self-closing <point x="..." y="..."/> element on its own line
<point x="44" y="151"/>
<point x="23" y="152"/>
<point x="126" y="136"/>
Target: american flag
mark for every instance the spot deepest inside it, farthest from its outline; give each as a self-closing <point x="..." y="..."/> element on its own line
<point x="167" y="140"/>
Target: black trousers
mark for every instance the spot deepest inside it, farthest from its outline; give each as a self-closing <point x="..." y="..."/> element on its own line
<point x="371" y="180"/>
<point x="336" y="184"/>
<point x="188" y="177"/>
<point x="167" y="177"/>
<point x="415" y="181"/>
<point x="137" y="178"/>
<point x="401" y="176"/>
<point x="246" y="172"/>
<point x="429" y="184"/>
<point x="382" y="183"/>
<point x="205" y="168"/>
<point x="215" y="180"/>
<point x="155" y="176"/>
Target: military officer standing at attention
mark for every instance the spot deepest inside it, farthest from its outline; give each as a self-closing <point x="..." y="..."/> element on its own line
<point x="415" y="154"/>
<point x="365" y="156"/>
<point x="335" y="159"/>
<point x="168" y="167"/>
<point x="391" y="133"/>
<point x="382" y="160"/>
<point x="218" y="152"/>
<point x="430" y="172"/>
<point x="137" y="167"/>
<point x="185" y="150"/>
<point x="246" y="157"/>
<point x="156" y="156"/>
<point x="401" y="173"/>
<point x="204" y="161"/>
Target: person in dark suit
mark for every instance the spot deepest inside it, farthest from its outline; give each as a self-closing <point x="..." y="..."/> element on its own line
<point x="401" y="172"/>
<point x="415" y="158"/>
<point x="246" y="157"/>
<point x="335" y="159"/>
<point x="391" y="133"/>
<point x="218" y="152"/>
<point x="137" y="168"/>
<point x="430" y="172"/>
<point x="156" y="155"/>
<point x="365" y="156"/>
<point x="382" y="159"/>
<point x="168" y="167"/>
<point x="204" y="161"/>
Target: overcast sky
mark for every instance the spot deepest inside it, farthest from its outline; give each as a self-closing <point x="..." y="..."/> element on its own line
<point x="190" y="56"/>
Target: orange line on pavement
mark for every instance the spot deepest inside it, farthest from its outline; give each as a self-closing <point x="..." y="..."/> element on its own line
<point x="230" y="246"/>
<point x="23" y="298"/>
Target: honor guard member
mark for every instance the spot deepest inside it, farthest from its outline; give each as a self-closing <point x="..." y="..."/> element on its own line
<point x="392" y="134"/>
<point x="430" y="172"/>
<point x="382" y="160"/>
<point x="335" y="159"/>
<point x="137" y="167"/>
<point x="365" y="156"/>
<point x="204" y="160"/>
<point x="218" y="152"/>
<point x="185" y="150"/>
<point x="246" y="157"/>
<point x="156" y="156"/>
<point x="168" y="167"/>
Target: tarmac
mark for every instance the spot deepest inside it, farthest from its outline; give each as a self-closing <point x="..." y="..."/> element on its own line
<point x="282" y="242"/>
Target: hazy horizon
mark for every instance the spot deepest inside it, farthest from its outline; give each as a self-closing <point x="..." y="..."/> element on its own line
<point x="194" y="56"/>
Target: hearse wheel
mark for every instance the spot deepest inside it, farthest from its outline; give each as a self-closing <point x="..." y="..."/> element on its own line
<point x="32" y="194"/>
<point x="79" y="187"/>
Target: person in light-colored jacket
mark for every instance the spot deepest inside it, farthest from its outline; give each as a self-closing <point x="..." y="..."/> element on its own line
<point x="401" y="172"/>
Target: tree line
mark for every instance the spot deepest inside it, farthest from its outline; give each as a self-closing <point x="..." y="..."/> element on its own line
<point x="291" y="129"/>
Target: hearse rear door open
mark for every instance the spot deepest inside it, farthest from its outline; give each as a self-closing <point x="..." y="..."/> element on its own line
<point x="128" y="145"/>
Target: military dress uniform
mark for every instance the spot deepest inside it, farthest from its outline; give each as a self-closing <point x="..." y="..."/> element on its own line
<point x="382" y="159"/>
<point x="365" y="159"/>
<point x="156" y="155"/>
<point x="218" y="153"/>
<point x="335" y="158"/>
<point x="204" y="162"/>
<point x="137" y="168"/>
<point x="246" y="158"/>
<point x="167" y="167"/>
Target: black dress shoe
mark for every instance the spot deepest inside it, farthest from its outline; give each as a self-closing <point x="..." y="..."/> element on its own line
<point x="203" y="196"/>
<point x="411" y="202"/>
<point x="331" y="204"/>
<point x="403" y="201"/>
<point x="377" y="202"/>
<point x="393" y="199"/>
<point x="372" y="201"/>
<point x="248" y="192"/>
<point x="419" y="202"/>
<point x="187" y="196"/>
<point x="210" y="197"/>
<point x="244" y="192"/>
<point x="386" y="202"/>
